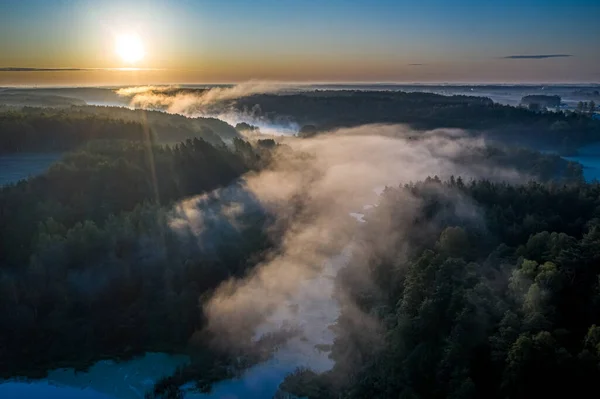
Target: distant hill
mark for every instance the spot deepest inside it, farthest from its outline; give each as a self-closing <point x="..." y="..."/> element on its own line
<point x="19" y="99"/>
<point x="32" y="129"/>
<point x="89" y="95"/>
<point x="331" y="109"/>
<point x="168" y="127"/>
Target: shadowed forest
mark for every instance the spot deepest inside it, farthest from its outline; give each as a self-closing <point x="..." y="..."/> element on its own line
<point x="29" y="129"/>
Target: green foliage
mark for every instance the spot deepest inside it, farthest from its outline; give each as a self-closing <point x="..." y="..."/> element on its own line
<point x="107" y="178"/>
<point x="453" y="242"/>
<point x="91" y="265"/>
<point x="512" y="316"/>
<point x="52" y="130"/>
<point x="31" y="129"/>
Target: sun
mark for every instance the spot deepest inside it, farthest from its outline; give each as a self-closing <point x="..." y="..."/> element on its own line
<point x="130" y="48"/>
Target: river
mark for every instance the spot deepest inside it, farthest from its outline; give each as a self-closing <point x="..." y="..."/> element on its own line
<point x="589" y="157"/>
<point x="104" y="380"/>
<point x="15" y="167"/>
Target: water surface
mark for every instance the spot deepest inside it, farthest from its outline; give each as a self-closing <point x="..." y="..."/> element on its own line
<point x="15" y="167"/>
<point x="104" y="380"/>
<point x="589" y="157"/>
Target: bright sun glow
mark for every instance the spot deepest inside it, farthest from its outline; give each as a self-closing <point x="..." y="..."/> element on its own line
<point x="130" y="48"/>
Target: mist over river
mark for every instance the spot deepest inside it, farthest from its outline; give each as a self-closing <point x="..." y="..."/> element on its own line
<point x="131" y="379"/>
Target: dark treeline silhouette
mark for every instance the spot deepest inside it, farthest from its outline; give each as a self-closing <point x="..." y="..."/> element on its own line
<point x="31" y="129"/>
<point x="333" y="109"/>
<point x="38" y="131"/>
<point x="541" y="100"/>
<point x="169" y="128"/>
<point x="502" y="305"/>
<point x="246" y="127"/>
<point x="584" y="107"/>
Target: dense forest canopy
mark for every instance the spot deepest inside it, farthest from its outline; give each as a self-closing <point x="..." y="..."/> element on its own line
<point x="110" y="177"/>
<point x="30" y="129"/>
<point x="333" y="109"/>
<point x="89" y="254"/>
<point x="503" y="306"/>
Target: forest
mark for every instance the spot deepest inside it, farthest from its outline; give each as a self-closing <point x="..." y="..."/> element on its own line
<point x="31" y="129"/>
<point x="327" y="110"/>
<point x="98" y="260"/>
<point x="503" y="305"/>
<point x="90" y="264"/>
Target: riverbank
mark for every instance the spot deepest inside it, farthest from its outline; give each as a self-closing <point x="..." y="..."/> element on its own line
<point x="16" y="167"/>
<point x="589" y="157"/>
<point x="106" y="379"/>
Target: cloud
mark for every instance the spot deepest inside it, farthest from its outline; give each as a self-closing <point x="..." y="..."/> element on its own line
<point x="214" y="102"/>
<point x="27" y="69"/>
<point x="536" y="56"/>
<point x="416" y="64"/>
<point x="21" y="69"/>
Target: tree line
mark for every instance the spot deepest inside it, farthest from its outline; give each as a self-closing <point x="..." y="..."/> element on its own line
<point x="326" y="110"/>
<point x="585" y="107"/>
<point x="31" y="129"/>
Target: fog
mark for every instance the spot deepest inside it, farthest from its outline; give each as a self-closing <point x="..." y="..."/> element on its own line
<point x="320" y="190"/>
<point x="193" y="102"/>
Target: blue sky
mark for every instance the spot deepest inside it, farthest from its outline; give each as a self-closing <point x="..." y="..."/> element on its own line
<point x="377" y="40"/>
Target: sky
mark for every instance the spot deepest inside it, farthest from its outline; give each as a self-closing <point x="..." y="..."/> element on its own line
<point x="217" y="41"/>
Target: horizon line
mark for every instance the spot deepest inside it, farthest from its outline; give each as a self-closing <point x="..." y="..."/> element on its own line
<point x="312" y="83"/>
<point x="72" y="69"/>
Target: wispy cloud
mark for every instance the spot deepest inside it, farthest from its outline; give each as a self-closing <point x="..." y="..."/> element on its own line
<point x="21" y="69"/>
<point x="536" y="56"/>
<point x="25" y="69"/>
<point x="416" y="64"/>
<point x="193" y="103"/>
